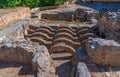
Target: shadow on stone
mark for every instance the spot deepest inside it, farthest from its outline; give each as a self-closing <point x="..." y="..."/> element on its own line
<point x="64" y="70"/>
<point x="62" y="58"/>
<point x="20" y="69"/>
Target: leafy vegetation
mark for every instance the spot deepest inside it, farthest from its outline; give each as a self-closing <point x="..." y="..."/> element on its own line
<point x="29" y="3"/>
<point x="59" y="2"/>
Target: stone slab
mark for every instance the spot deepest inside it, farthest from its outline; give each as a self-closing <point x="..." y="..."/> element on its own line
<point x="103" y="52"/>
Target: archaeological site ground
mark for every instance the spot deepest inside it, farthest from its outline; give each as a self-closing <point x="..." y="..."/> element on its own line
<point x="80" y="38"/>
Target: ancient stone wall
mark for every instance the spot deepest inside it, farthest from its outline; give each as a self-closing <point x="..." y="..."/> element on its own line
<point x="17" y="30"/>
<point x="17" y="51"/>
<point x="13" y="16"/>
<point x="109" y="25"/>
<point x="23" y="51"/>
<point x="69" y="16"/>
<point x="70" y="13"/>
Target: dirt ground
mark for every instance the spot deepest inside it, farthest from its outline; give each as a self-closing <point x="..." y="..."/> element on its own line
<point x="7" y="11"/>
<point x="61" y="63"/>
<point x="16" y="70"/>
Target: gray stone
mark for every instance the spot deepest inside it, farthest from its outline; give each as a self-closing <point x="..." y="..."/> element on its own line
<point x="54" y="25"/>
<point x="72" y="73"/>
<point x="73" y="25"/>
<point x="42" y="74"/>
<point x="23" y="51"/>
<point x="15" y="31"/>
<point x="35" y="10"/>
<point x="103" y="52"/>
<point x="109" y="25"/>
<point x="71" y="13"/>
<point x="17" y="51"/>
<point x="52" y="70"/>
<point x="82" y="70"/>
<point x="34" y="62"/>
<point x="87" y="25"/>
<point x="93" y="20"/>
<point x="80" y="55"/>
<point x="41" y="61"/>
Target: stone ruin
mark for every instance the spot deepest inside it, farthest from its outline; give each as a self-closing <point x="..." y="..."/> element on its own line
<point x="41" y="38"/>
<point x="109" y="25"/>
<point x="104" y="52"/>
<point x="59" y="38"/>
<point x="27" y="52"/>
<point x="70" y="13"/>
<point x="92" y="55"/>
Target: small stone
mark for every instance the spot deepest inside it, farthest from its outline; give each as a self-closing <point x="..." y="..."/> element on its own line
<point x="52" y="69"/>
<point x="82" y="70"/>
<point x="43" y="61"/>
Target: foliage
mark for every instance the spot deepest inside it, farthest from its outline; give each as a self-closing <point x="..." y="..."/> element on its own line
<point x="59" y="2"/>
<point x="47" y="2"/>
<point x="9" y="3"/>
<point x="29" y="3"/>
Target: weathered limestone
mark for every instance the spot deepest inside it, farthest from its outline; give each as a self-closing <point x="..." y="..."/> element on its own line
<point x="109" y="25"/>
<point x="17" y="51"/>
<point x="82" y="70"/>
<point x="12" y="17"/>
<point x="17" y="30"/>
<point x="41" y="61"/>
<point x="103" y="52"/>
<point x="27" y="52"/>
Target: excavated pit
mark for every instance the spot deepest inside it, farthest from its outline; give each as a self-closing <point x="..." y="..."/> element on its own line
<point x="62" y="42"/>
<point x="12" y="59"/>
<point x="62" y="38"/>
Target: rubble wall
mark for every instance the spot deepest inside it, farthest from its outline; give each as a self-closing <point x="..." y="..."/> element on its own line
<point x="17" y="30"/>
<point x="109" y="25"/>
<point x="70" y="13"/>
<point x="17" y="51"/>
<point x="14" y="32"/>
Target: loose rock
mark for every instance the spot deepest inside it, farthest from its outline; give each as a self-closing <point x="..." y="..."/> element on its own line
<point x="52" y="70"/>
<point x="43" y="61"/>
<point x="103" y="52"/>
<point x="109" y="25"/>
<point x="82" y="70"/>
<point x="17" y="51"/>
